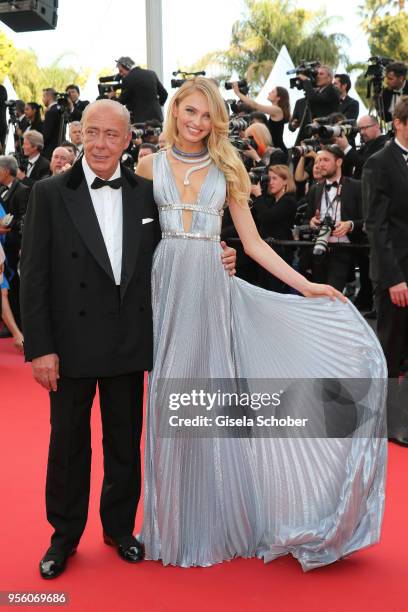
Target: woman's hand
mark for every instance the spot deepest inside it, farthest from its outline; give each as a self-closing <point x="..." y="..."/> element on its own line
<point x="228" y="258"/>
<point x="314" y="290"/>
<point x="236" y="89"/>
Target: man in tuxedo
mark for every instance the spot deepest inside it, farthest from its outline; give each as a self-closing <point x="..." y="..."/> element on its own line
<point x="385" y="188"/>
<point x="75" y="136"/>
<point x="323" y="99"/>
<point x="76" y="106"/>
<point x="397" y="86"/>
<point x="373" y="140"/>
<point x="38" y="166"/>
<point x="52" y="121"/>
<point x="142" y="92"/>
<point x="14" y="198"/>
<point x="86" y="264"/>
<point x="339" y="197"/>
<point x="349" y="107"/>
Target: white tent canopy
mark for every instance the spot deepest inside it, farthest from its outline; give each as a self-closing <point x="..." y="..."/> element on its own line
<point x="11" y="95"/>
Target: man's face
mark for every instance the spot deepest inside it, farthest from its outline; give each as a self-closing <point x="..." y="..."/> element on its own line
<point x="45" y="98"/>
<point x="60" y="158"/>
<point x="73" y="94"/>
<point x="144" y="153"/>
<point x="105" y="136"/>
<point x="122" y="70"/>
<point x="327" y="164"/>
<point x="323" y="77"/>
<point x="28" y="148"/>
<point x="369" y="130"/>
<point x="393" y="80"/>
<point x="4" y="176"/>
<point x="401" y="131"/>
<point x="75" y="134"/>
<point x="340" y="87"/>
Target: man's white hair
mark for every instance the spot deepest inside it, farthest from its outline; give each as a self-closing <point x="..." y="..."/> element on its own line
<point x="111" y="105"/>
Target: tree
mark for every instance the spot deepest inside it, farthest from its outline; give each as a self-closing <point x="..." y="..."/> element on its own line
<point x="257" y="39"/>
<point x="386" y="24"/>
<point x="7" y="53"/>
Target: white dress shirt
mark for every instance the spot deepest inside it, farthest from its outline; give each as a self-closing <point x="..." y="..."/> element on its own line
<point x="107" y="203"/>
<point x="335" y="210"/>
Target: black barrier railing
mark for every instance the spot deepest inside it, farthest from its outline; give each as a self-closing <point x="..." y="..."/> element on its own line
<point x="304" y="243"/>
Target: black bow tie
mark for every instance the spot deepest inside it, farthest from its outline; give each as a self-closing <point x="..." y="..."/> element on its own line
<point x="403" y="151"/>
<point x="328" y="186"/>
<point x="98" y="183"/>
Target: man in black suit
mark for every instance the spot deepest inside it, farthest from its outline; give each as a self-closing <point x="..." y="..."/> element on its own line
<point x="397" y="86"/>
<point x="14" y="198"/>
<point x="373" y="140"/>
<point x="87" y="253"/>
<point x="76" y="106"/>
<point x="142" y="92"/>
<point x="300" y="118"/>
<point x="38" y="166"/>
<point x="339" y="197"/>
<point x="385" y="188"/>
<point x="323" y="99"/>
<point x="52" y="122"/>
<point x="349" y="107"/>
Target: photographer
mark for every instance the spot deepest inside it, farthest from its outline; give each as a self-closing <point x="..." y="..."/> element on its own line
<point x="260" y="147"/>
<point x="397" y="86"/>
<point x="278" y="111"/>
<point x="142" y="93"/>
<point x="32" y="111"/>
<point x="305" y="156"/>
<point x="75" y="105"/>
<point x="52" y="121"/>
<point x="324" y="98"/>
<point x="275" y="213"/>
<point x="349" y="107"/>
<point x="334" y="207"/>
<point x="38" y="166"/>
<point x="373" y="141"/>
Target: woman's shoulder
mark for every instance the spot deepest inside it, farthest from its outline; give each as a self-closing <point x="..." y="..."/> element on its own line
<point x="144" y="167"/>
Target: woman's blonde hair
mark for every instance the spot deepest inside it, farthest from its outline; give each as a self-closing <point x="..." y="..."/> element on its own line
<point x="221" y="151"/>
<point x="285" y="174"/>
<point x="261" y="135"/>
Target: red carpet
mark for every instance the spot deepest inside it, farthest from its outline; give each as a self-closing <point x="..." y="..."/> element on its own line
<point x="97" y="580"/>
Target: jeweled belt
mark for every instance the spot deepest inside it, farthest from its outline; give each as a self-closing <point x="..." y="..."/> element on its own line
<point x="203" y="209"/>
<point x="191" y="235"/>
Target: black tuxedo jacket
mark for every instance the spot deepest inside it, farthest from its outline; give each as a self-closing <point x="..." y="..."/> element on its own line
<point x="349" y="107"/>
<point x="385" y="188"/>
<point x="15" y="202"/>
<point x="41" y="169"/>
<point x="322" y="102"/>
<point x="351" y="205"/>
<point x="79" y="107"/>
<point x="357" y="158"/>
<point x="69" y="300"/>
<point x="143" y="95"/>
<point x="387" y="98"/>
<point x="51" y="126"/>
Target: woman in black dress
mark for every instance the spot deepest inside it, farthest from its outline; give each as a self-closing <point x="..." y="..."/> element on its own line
<point x="33" y="113"/>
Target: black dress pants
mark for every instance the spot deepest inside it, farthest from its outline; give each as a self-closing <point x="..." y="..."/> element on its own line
<point x="69" y="460"/>
<point x="333" y="268"/>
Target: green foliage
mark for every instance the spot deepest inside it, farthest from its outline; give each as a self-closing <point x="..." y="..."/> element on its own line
<point x="257" y="39"/>
<point x="7" y="52"/>
<point x="388" y="36"/>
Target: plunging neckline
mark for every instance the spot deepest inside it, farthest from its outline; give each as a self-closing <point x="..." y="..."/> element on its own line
<point x="173" y="178"/>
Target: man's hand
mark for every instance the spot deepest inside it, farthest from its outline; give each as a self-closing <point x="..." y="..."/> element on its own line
<point x="342" y="228"/>
<point x="315" y="221"/>
<point x="399" y="295"/>
<point x="236" y="89"/>
<point x="20" y="174"/>
<point x="229" y="258"/>
<point x="4" y="230"/>
<point x="302" y="77"/>
<point x="46" y="371"/>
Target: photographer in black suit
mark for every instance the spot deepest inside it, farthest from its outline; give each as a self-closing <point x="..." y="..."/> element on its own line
<point x="385" y="188"/>
<point x="52" y="121"/>
<point x="339" y="197"/>
<point x="38" y="166"/>
<point x="75" y="105"/>
<point x="373" y="140"/>
<point x="397" y="86"/>
<point x="349" y="107"/>
<point x="323" y="99"/>
<point x="142" y="93"/>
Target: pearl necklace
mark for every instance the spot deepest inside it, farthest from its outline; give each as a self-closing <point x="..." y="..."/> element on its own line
<point x="202" y="159"/>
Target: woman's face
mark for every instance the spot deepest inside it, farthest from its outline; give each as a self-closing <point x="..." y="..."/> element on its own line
<point x="273" y="96"/>
<point x="29" y="112"/>
<point x="276" y="183"/>
<point x="193" y="118"/>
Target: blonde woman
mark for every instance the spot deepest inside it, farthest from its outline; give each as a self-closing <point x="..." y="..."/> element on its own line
<point x="209" y="495"/>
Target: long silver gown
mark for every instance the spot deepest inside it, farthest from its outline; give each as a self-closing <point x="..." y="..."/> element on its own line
<point x="210" y="499"/>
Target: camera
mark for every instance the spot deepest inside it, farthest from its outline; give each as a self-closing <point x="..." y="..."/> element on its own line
<point x="309" y="69"/>
<point x="323" y="235"/>
<point x="11" y="105"/>
<point x="375" y="74"/>
<point x="141" y="130"/>
<point x="242" y="86"/>
<point x="259" y="174"/>
<point x="307" y="146"/>
<point x="322" y="129"/>
<point x="185" y="77"/>
<point x="110" y="83"/>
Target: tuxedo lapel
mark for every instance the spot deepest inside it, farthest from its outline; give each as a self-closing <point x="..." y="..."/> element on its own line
<point x="318" y="197"/>
<point x="399" y="159"/>
<point x="132" y="227"/>
<point x="80" y="208"/>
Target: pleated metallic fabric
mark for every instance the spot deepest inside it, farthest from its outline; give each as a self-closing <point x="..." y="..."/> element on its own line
<point x="207" y="500"/>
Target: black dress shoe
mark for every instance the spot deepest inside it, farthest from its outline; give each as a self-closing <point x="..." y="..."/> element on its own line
<point x="129" y="548"/>
<point x="401" y="440"/>
<point x="53" y="563"/>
